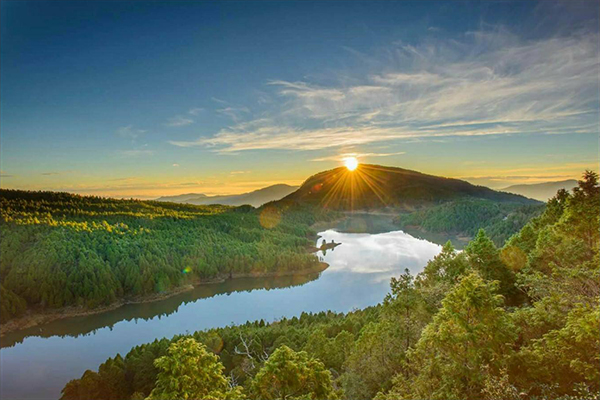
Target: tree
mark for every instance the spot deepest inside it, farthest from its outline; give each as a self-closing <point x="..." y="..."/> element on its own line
<point x="406" y="309"/>
<point x="375" y="357"/>
<point x="484" y="257"/>
<point x="566" y="358"/>
<point x="189" y="371"/>
<point x="292" y="375"/>
<point x="88" y="387"/>
<point x="583" y="209"/>
<point x="447" y="266"/>
<point x="470" y="331"/>
<point x="380" y="350"/>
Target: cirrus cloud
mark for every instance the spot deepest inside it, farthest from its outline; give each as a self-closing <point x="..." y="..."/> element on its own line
<point x="486" y="83"/>
<point x="178" y="121"/>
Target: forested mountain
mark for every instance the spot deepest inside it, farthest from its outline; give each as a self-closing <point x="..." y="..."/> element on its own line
<point x="255" y="198"/>
<point x="60" y="249"/>
<point x="466" y="216"/>
<point x="541" y="191"/>
<point x="374" y="186"/>
<point x="517" y="322"/>
<point x="425" y="202"/>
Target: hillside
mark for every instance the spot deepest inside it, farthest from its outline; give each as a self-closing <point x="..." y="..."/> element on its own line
<point x="541" y="191"/>
<point x="255" y="198"/>
<point x="516" y="322"/>
<point x="62" y="250"/>
<point x="465" y="217"/>
<point x="373" y="186"/>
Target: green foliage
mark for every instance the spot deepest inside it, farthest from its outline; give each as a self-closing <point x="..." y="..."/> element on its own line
<point x="109" y="382"/>
<point x="333" y="351"/>
<point x="58" y="249"/>
<point x="189" y="371"/>
<point x="445" y="268"/>
<point x="566" y="356"/>
<point x="292" y="375"/>
<point x="242" y="350"/>
<point x="11" y="305"/>
<point x="381" y="349"/>
<point x="376" y="354"/>
<point x="484" y="258"/>
<point x="446" y="334"/>
<point x="467" y="216"/>
<point x="470" y="331"/>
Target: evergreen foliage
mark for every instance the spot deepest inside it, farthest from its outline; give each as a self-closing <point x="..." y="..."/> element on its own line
<point x="467" y="216"/>
<point x="449" y="333"/>
<point x="59" y="249"/>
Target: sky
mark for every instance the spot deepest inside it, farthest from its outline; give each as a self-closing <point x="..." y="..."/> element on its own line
<point x="150" y="98"/>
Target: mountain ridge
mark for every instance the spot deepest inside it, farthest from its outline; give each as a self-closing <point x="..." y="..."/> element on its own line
<point x="375" y="186"/>
<point x="256" y="198"/>
<point x="541" y="191"/>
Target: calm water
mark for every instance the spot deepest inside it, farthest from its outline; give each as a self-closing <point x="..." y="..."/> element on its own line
<point x="36" y="363"/>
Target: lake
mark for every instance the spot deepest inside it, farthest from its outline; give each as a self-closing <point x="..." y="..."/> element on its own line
<point x="36" y="363"/>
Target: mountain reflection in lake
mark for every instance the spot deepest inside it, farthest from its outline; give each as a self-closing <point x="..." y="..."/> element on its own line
<point x="78" y="326"/>
<point x="36" y="363"/>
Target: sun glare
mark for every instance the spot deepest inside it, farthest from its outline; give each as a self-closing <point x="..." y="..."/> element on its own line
<point x="351" y="163"/>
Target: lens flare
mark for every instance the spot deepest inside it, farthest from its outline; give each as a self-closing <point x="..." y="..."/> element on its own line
<point x="269" y="217"/>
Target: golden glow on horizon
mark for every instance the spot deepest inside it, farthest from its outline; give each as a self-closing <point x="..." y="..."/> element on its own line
<point x="351" y="163"/>
<point x="353" y="184"/>
<point x="154" y="184"/>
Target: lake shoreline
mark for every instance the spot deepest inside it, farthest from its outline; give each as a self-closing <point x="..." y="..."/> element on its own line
<point x="37" y="318"/>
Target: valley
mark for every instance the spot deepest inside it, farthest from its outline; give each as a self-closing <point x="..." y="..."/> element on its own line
<point x="371" y="253"/>
<point x="299" y="200"/>
<point x="357" y="277"/>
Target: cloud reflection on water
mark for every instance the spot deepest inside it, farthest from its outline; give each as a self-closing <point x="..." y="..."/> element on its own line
<point x="379" y="256"/>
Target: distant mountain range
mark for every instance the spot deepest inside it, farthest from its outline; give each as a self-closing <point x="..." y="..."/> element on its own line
<point x="541" y="191"/>
<point x="256" y="198"/>
<point x="373" y="186"/>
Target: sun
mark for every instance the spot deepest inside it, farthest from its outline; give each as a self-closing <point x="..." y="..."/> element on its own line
<point x="351" y="163"/>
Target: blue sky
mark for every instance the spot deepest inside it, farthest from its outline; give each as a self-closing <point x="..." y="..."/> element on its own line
<point x="148" y="98"/>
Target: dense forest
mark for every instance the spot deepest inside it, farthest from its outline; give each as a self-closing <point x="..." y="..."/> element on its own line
<point x="499" y="220"/>
<point x="517" y="322"/>
<point x="60" y="249"/>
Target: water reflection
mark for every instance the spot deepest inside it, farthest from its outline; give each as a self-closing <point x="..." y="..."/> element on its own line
<point x="38" y="364"/>
<point x="79" y="326"/>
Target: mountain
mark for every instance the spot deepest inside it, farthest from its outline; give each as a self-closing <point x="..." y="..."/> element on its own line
<point x="256" y="198"/>
<point x="374" y="186"/>
<point x="541" y="191"/>
<point x="183" y="198"/>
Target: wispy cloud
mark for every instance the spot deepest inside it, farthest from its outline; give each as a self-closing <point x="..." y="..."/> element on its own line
<point x="239" y="172"/>
<point x="485" y="83"/>
<point x="50" y="173"/>
<point x="195" y="111"/>
<point x="219" y="101"/>
<point x="178" y="121"/>
<point x="129" y="132"/>
<point x="235" y="113"/>
<point x="176" y="165"/>
<point x="359" y="156"/>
